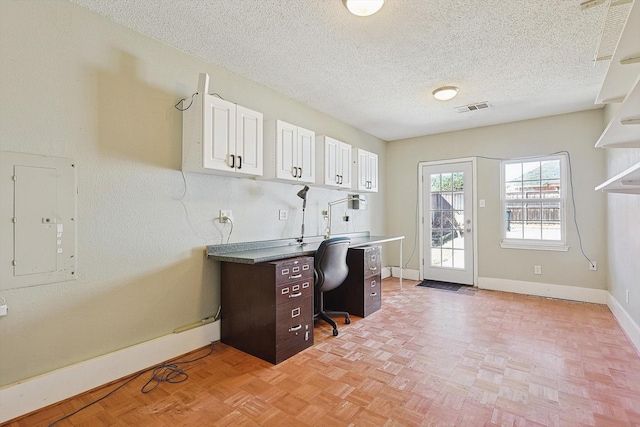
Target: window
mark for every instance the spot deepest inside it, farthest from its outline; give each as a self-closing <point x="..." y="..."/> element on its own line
<point x="533" y="203"/>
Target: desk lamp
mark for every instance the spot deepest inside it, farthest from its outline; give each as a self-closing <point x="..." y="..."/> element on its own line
<point x="350" y="198"/>
<point x="303" y="195"/>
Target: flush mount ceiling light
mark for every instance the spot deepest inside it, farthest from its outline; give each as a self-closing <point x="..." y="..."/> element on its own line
<point x="445" y="93"/>
<point x="363" y="7"/>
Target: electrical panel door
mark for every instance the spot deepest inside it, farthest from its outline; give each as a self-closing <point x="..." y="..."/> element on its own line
<point x="37" y="220"/>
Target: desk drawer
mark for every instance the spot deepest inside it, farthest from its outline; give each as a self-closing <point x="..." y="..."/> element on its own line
<point x="372" y="294"/>
<point x="294" y="291"/>
<point x="294" y="323"/>
<point x="291" y="271"/>
<point x="372" y="261"/>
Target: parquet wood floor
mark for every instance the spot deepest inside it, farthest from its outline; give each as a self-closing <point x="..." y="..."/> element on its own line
<point x="427" y="358"/>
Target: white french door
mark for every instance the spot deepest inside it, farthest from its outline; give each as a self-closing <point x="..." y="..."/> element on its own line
<point x="447" y="222"/>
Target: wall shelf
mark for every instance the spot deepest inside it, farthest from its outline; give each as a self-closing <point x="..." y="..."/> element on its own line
<point x="624" y="128"/>
<point x="625" y="182"/>
<point x="623" y="71"/>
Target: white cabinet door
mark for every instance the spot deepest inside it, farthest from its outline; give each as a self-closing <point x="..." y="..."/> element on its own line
<point x="248" y="141"/>
<point x="344" y="165"/>
<point x="372" y="159"/>
<point x="218" y="134"/>
<point x="331" y="176"/>
<point x="287" y="150"/>
<point x="366" y="170"/>
<point x="306" y="155"/>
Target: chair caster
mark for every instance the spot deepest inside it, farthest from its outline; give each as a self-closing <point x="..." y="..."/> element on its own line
<point x="335" y="332"/>
<point x="347" y="320"/>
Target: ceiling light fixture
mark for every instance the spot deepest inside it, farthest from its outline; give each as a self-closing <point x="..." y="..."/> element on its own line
<point x="445" y="93"/>
<point x="363" y="7"/>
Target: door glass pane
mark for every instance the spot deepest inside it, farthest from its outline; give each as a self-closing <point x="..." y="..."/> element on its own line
<point x="447" y="220"/>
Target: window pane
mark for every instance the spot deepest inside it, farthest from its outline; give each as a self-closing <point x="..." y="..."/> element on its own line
<point x="533" y="199"/>
<point x="458" y="181"/>
<point x="435" y="182"/>
<point x="447" y="258"/>
<point x="512" y="172"/>
<point x="447" y="184"/>
<point x="436" y="239"/>
<point x="458" y="201"/>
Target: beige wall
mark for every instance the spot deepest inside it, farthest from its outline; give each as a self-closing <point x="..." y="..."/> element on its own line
<point x="575" y="133"/>
<point x="75" y="84"/>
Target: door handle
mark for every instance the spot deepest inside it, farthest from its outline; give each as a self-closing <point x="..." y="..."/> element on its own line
<point x="294" y="172"/>
<point x="239" y="162"/>
<point x="233" y="161"/>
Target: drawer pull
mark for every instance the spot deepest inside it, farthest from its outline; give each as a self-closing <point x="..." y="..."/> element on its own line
<point x="295" y="328"/>
<point x="373" y="294"/>
<point x="296" y="295"/>
<point x="297" y="276"/>
<point x="374" y="268"/>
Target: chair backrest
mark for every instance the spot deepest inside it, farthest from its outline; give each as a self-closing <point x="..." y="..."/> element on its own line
<point x="331" y="263"/>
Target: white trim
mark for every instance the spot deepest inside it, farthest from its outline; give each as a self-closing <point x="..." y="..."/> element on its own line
<point x="628" y="325"/>
<point x="534" y="247"/>
<point x="573" y="293"/>
<point x="407" y="273"/>
<point x="35" y="393"/>
<point x="546" y="245"/>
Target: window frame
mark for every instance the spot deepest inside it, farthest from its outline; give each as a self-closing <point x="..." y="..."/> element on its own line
<point x="535" y="244"/>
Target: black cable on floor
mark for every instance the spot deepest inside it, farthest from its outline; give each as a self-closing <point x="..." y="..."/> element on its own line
<point x="165" y="372"/>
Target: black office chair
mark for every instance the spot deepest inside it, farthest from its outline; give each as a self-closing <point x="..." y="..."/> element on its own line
<point x="330" y="271"/>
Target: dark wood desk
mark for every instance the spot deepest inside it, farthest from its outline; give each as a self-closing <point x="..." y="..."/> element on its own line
<point x="267" y="292"/>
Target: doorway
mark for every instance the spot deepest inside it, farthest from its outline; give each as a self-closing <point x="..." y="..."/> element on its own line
<point x="447" y="221"/>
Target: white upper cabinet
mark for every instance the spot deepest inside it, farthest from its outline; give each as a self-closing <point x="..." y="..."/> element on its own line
<point x="289" y="153"/>
<point x="366" y="171"/>
<point x="220" y="137"/>
<point x="334" y="162"/>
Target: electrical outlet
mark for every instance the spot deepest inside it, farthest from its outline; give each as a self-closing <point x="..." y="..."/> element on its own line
<point x="283" y="215"/>
<point x="4" y="308"/>
<point x="226" y="216"/>
<point x="537" y="269"/>
<point x="593" y="266"/>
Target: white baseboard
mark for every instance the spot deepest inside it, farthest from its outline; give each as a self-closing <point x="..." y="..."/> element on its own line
<point x="572" y="293"/>
<point x="29" y="395"/>
<point x="630" y="328"/>
<point x="407" y="273"/>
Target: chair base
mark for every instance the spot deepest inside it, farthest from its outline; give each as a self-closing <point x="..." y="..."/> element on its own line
<point x="325" y="315"/>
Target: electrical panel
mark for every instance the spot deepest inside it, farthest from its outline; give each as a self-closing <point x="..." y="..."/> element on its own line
<point x="37" y="220"/>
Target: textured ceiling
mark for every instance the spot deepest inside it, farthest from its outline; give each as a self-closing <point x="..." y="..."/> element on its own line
<point x="526" y="58"/>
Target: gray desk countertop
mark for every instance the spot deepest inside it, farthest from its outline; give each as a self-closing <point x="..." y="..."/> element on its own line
<point x="273" y="250"/>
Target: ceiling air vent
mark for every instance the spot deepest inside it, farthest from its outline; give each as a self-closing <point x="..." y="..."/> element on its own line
<point x="473" y="107"/>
